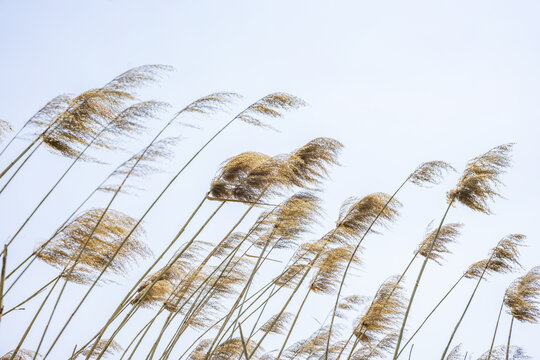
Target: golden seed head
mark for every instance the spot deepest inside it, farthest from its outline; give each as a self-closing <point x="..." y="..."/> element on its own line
<point x="523" y="297"/>
<point x="481" y="178"/>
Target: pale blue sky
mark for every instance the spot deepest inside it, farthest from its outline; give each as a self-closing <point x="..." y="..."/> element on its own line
<point x="397" y="82"/>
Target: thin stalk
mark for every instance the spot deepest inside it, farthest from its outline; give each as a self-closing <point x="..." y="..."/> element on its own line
<point x="19" y="168"/>
<point x="2" y="279"/>
<point x="31" y="324"/>
<point x="466" y="307"/>
<point x="230" y="232"/>
<point x="431" y="313"/>
<point x="106" y="266"/>
<point x="172" y="315"/>
<point x="495" y="332"/>
<point x="13" y="138"/>
<point x="293" y="324"/>
<point x="158" y="277"/>
<point x="410" y="352"/>
<point x="19" y="156"/>
<point x="105" y="128"/>
<point x="162" y="192"/>
<point x="509" y="336"/>
<point x="350" y="262"/>
<point x="36" y="293"/>
<point x="418" y="280"/>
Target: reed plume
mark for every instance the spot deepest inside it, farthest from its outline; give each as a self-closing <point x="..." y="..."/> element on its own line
<point x="383" y="315"/>
<point x="430" y="172"/>
<point x="138" y="77"/>
<point x="447" y="235"/>
<point x="500" y="353"/>
<point x="5" y="127"/>
<point x="21" y="354"/>
<point x="503" y="258"/>
<point x="110" y="350"/>
<point x="477" y="185"/>
<point x="481" y="178"/>
<point x="523" y="300"/>
<point x="523" y="297"/>
<point x="277" y="323"/>
<point x="455" y="353"/>
<point x="64" y="249"/>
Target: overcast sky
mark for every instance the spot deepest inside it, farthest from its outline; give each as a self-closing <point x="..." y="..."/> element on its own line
<point x="397" y="82"/>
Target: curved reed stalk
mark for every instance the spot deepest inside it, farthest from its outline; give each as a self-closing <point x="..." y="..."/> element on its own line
<point x="267" y="106"/>
<point x="477" y="185"/>
<point x="495" y="331"/>
<point x="503" y="258"/>
<point x="208" y="103"/>
<point x="78" y="266"/>
<point x="523" y="300"/>
<point x="250" y="173"/>
<point x="284" y="221"/>
<point x="431" y="313"/>
<point x="123" y="124"/>
<point x="426" y="173"/>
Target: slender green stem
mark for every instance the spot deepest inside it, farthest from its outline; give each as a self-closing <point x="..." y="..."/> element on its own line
<point x="509" y="337"/>
<point x="19" y="156"/>
<point x="2" y="279"/>
<point x="431" y="313"/>
<point x="36" y="293"/>
<point x="418" y="280"/>
<point x="19" y="168"/>
<point x="344" y="276"/>
<point x="495" y="331"/>
<point x="466" y="307"/>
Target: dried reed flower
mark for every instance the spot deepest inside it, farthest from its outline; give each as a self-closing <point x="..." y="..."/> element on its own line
<point x="377" y="349"/>
<point x="503" y="258"/>
<point x="200" y="351"/>
<point x="287" y="222"/>
<point x="138" y="77"/>
<point x="50" y="111"/>
<point x="455" y="353"/>
<point x="4" y="128"/>
<point x="499" y="353"/>
<point x="277" y="323"/>
<point x="523" y="297"/>
<point x="311" y="348"/>
<point x="66" y="245"/>
<point x="480" y="180"/>
<point x="384" y="313"/>
<point x="147" y="159"/>
<point x="161" y="289"/>
<point x="329" y="267"/>
<point x="22" y="354"/>
<point x="211" y="103"/>
<point x="245" y="176"/>
<point x="446" y="236"/>
<point x="270" y="106"/>
<point x="102" y="346"/>
<point x="349" y="303"/>
<point x="128" y="122"/>
<point x="233" y="349"/>
<point x="357" y="215"/>
<point x="81" y="122"/>
<point x="430" y="172"/>
<point x="308" y="164"/>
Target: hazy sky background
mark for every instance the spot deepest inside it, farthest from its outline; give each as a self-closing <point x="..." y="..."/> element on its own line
<point x="398" y="82"/>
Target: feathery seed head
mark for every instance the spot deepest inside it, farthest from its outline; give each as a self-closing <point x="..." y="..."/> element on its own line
<point x="447" y="235"/>
<point x="481" y="177"/>
<point x="523" y="297"/>
<point x="430" y="172"/>
<point x="66" y="245"/>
